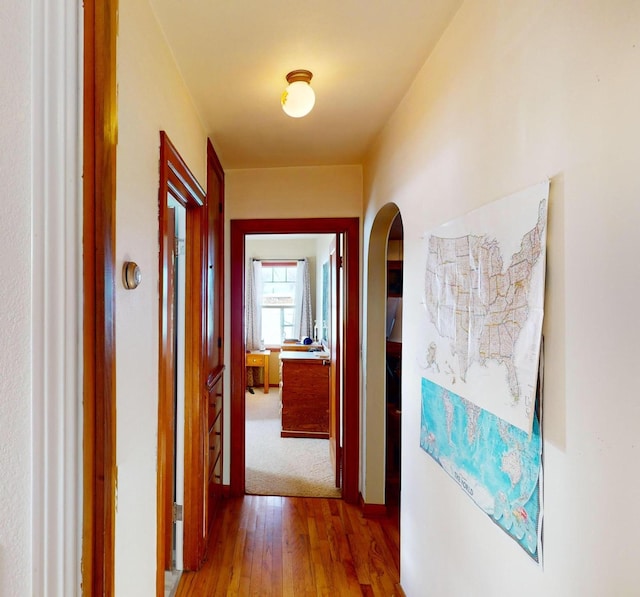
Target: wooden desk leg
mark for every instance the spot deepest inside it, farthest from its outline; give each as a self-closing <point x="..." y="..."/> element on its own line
<point x="266" y="374"/>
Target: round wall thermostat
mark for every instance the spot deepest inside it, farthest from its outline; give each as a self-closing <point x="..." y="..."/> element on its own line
<point x="131" y="275"/>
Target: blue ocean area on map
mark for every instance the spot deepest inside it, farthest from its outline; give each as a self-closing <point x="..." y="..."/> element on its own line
<point x="497" y="464"/>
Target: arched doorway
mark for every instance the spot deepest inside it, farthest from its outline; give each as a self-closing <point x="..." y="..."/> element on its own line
<point x="378" y="455"/>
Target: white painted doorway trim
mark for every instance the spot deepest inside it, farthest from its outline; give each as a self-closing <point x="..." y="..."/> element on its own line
<point x="56" y="307"/>
<point x="374" y="361"/>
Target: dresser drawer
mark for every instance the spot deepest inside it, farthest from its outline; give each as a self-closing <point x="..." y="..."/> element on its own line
<point x="255" y="360"/>
<point x="214" y="402"/>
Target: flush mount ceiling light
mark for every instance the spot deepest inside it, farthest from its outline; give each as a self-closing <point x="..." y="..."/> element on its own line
<point x="298" y="98"/>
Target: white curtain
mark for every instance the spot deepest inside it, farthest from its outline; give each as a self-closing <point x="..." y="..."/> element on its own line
<point x="253" y="309"/>
<point x="303" y="320"/>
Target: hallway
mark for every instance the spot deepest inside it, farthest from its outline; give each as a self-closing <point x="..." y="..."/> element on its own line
<point x="277" y="546"/>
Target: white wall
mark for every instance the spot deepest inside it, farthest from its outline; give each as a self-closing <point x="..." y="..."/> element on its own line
<point x="513" y="93"/>
<point x="15" y="297"/>
<point x="151" y="97"/>
<point x="305" y="192"/>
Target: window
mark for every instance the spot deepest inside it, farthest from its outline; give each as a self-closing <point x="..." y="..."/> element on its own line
<point x="278" y="300"/>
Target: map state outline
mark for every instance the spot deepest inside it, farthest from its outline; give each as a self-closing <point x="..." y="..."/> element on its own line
<point x="484" y="322"/>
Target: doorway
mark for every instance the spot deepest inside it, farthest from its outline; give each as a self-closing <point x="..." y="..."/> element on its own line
<point x="380" y="366"/>
<point x="349" y="228"/>
<point x="285" y="303"/>
<point x="182" y="209"/>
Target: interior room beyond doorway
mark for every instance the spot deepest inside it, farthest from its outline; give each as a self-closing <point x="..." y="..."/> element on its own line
<point x="289" y="275"/>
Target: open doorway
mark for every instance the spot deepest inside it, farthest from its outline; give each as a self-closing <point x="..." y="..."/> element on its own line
<point x="349" y="395"/>
<point x="393" y="365"/>
<point x="287" y="448"/>
<point x="382" y="341"/>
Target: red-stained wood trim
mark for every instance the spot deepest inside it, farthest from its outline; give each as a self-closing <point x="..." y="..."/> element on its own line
<point x="351" y="406"/>
<point x="373" y="510"/>
<point x="204" y="353"/>
<point x="215" y="308"/>
<point x="177" y="180"/>
<point x="237" y="361"/>
<point x="195" y="414"/>
<point x="214" y="331"/>
<point x="99" y="405"/>
<point x="166" y="410"/>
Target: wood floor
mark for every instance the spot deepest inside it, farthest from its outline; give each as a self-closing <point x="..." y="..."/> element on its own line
<point x="299" y="547"/>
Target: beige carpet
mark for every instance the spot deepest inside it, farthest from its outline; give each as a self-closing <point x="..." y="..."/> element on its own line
<point x="283" y="466"/>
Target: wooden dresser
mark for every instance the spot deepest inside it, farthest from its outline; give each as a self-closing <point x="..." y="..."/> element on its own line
<point x="305" y="394"/>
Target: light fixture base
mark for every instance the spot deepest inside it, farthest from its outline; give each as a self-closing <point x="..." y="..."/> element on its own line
<point x="299" y="75"/>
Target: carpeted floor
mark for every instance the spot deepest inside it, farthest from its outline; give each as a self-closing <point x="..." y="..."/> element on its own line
<point x="283" y="466"/>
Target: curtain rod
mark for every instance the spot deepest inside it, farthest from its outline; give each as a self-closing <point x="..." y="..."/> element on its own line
<point x="270" y="259"/>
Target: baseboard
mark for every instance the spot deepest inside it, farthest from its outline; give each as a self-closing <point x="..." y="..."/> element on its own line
<point x="400" y="590"/>
<point x="307" y="434"/>
<point x="225" y="491"/>
<point x="372" y="510"/>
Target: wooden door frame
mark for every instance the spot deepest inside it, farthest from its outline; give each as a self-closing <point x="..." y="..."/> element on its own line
<point x="350" y="227"/>
<point x="99" y="191"/>
<point x="177" y="180"/>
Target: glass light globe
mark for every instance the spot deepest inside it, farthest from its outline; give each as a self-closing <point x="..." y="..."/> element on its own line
<point x="298" y="99"/>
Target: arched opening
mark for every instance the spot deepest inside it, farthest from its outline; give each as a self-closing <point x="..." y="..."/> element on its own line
<point x="382" y="268"/>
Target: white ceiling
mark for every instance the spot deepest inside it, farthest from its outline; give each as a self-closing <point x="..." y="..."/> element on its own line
<point x="234" y="55"/>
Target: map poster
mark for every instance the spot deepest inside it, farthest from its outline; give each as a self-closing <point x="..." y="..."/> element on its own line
<point x="484" y="302"/>
<point x="498" y="465"/>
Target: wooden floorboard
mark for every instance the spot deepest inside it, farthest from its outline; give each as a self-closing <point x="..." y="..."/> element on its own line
<point x="297" y="547"/>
